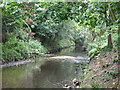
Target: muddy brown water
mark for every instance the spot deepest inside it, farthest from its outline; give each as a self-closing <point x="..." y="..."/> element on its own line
<point x="43" y="73"/>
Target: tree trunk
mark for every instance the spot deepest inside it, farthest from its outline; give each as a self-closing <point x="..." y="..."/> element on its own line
<point x="119" y="52"/>
<point x="119" y="44"/>
<point x="110" y="44"/>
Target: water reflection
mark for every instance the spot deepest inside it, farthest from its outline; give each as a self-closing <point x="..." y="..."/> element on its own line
<point x="51" y="74"/>
<point x="43" y="73"/>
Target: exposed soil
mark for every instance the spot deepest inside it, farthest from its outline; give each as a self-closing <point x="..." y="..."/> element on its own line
<point x="16" y="63"/>
<point x="102" y="72"/>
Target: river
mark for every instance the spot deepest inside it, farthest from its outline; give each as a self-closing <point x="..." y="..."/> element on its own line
<point x="46" y="73"/>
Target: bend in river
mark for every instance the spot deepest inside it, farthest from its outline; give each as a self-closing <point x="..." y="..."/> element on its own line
<point x="50" y="72"/>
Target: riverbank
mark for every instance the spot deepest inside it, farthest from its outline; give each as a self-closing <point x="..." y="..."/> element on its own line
<point x="17" y="63"/>
<point x="102" y="72"/>
<point x="48" y="57"/>
<point x="50" y="53"/>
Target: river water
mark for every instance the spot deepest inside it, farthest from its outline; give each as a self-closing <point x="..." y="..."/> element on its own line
<point x="44" y="73"/>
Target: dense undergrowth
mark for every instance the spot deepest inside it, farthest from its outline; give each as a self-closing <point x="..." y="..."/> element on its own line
<point x="21" y="47"/>
<point x="102" y="72"/>
<point x="26" y="35"/>
<point x="18" y="49"/>
<point x="100" y="45"/>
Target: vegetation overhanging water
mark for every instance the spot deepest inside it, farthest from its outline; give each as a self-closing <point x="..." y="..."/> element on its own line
<point x="44" y="73"/>
<point x="31" y="29"/>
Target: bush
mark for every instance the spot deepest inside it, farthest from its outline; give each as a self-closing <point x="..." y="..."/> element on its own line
<point x="13" y="49"/>
<point x="92" y="51"/>
<point x="36" y="47"/>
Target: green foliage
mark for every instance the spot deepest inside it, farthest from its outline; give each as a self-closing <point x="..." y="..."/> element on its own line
<point x="112" y="73"/>
<point x="51" y="33"/>
<point x="92" y="51"/>
<point x="54" y="22"/>
<point x="13" y="49"/>
<point x="65" y="42"/>
<point x="95" y="85"/>
<point x="17" y="43"/>
<point x="114" y="60"/>
<point x="18" y="47"/>
<point x="36" y="47"/>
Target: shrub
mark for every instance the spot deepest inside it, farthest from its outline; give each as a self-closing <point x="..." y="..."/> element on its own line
<point x="13" y="49"/>
<point x="36" y="47"/>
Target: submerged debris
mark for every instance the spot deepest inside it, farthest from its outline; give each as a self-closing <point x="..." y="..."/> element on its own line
<point x="76" y="83"/>
<point x="67" y="86"/>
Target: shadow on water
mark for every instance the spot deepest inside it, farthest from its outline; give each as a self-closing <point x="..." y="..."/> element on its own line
<point x="54" y="74"/>
<point x="41" y="74"/>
